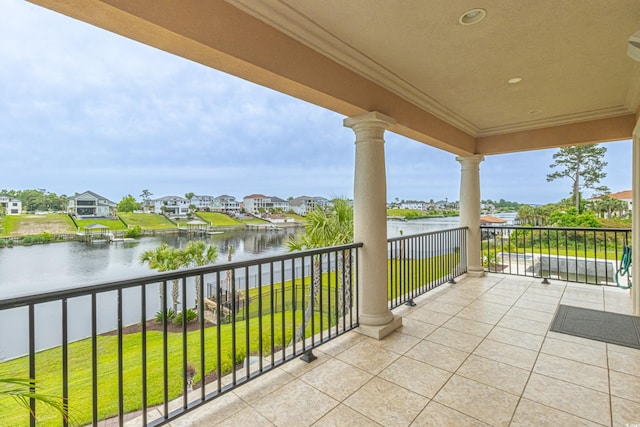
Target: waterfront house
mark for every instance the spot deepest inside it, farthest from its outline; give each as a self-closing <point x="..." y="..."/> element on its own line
<point x="10" y="205"/>
<point x="502" y="77"/>
<point x="173" y="206"/>
<point x="90" y="204"/>
<point x="302" y="205"/>
<point x="203" y="202"/>
<point x="259" y="203"/>
<point x="226" y="204"/>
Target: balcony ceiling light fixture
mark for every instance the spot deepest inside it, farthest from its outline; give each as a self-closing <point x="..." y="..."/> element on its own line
<point x="633" y="48"/>
<point x="472" y="16"/>
<point x="514" y="80"/>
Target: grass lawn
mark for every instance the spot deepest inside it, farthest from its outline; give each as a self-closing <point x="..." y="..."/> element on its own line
<point x="113" y="224"/>
<point x="254" y="220"/>
<point x="146" y="221"/>
<point x="24" y="225"/>
<point x="218" y="219"/>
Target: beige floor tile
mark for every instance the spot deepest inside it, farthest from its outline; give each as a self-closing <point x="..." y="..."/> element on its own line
<point x="429" y="316"/>
<point x="583" y="304"/>
<point x="471" y="397"/>
<point x="455" y="339"/>
<point x="492" y="307"/>
<point x="368" y="357"/>
<point x="625" y="412"/>
<point x="546" y="299"/>
<point x="416" y="328"/>
<point x="574" y="351"/>
<point x="529" y="413"/>
<point x="444" y="307"/>
<point x="518" y="338"/>
<point x="624" y="359"/>
<point x="395" y="342"/>
<point x="569" y="397"/>
<point x="468" y="326"/>
<point x="571" y="371"/>
<point x="488" y="317"/>
<point x="297" y="403"/>
<point x="506" y="353"/>
<point x="577" y="340"/>
<point x="625" y="386"/>
<point x="419" y="377"/>
<point x="535" y="305"/>
<point x="374" y="397"/>
<point x="524" y="325"/>
<point x="337" y="378"/>
<point x="438" y="355"/>
<point x="437" y="415"/>
<point x="299" y="367"/>
<point x="221" y="408"/>
<point x="457" y="298"/>
<point x="341" y="343"/>
<point x="241" y="419"/>
<point x="498" y="299"/>
<point x="499" y="375"/>
<point x="342" y="415"/>
<point x="525" y="313"/>
<point x="256" y="389"/>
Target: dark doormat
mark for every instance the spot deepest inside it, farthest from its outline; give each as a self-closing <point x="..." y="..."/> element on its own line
<point x="614" y="328"/>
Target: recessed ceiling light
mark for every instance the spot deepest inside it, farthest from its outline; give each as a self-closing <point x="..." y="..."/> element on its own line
<point x="472" y="16"/>
<point x="514" y="80"/>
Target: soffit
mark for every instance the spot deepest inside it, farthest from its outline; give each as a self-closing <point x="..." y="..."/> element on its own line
<point x="570" y="55"/>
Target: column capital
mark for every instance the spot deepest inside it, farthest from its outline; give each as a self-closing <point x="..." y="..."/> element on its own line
<point x="474" y="158"/>
<point x="370" y="119"/>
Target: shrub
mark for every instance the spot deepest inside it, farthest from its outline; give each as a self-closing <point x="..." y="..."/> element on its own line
<point x="134" y="232"/>
<point x="45" y="237"/>
<point x="189" y="315"/>
<point x="3" y="243"/>
<point x="27" y="240"/>
<point x="170" y="315"/>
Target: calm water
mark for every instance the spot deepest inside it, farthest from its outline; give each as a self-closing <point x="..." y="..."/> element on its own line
<point x="41" y="268"/>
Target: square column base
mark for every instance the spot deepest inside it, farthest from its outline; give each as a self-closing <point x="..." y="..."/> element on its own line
<point x="380" y="331"/>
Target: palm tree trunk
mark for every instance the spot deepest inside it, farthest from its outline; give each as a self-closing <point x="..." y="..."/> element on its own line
<point x="315" y="289"/>
<point x="175" y="295"/>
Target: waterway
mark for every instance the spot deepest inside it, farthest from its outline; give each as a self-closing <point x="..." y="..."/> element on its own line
<point x="37" y="269"/>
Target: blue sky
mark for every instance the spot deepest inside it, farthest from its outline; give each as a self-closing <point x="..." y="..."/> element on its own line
<point x="85" y="109"/>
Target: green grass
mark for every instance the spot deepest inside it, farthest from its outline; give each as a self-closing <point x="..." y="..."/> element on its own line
<point x="147" y="221"/>
<point x="218" y="219"/>
<point x="113" y="224"/>
<point x="254" y="221"/>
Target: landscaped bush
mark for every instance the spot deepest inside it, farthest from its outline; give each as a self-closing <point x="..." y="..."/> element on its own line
<point x="134" y="232"/>
<point x="170" y="315"/>
<point x="189" y="315"/>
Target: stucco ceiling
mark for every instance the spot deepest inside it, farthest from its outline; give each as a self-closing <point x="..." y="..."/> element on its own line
<point x="445" y="83"/>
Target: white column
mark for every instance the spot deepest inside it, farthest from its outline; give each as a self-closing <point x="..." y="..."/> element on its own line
<point x="370" y="223"/>
<point x="635" y="222"/>
<point x="470" y="211"/>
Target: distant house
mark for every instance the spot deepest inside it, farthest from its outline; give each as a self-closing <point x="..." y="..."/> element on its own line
<point x="413" y="204"/>
<point x="174" y="206"/>
<point x="203" y="202"/>
<point x="90" y="204"/>
<point x="11" y="206"/>
<point x="226" y="204"/>
<point x="254" y="203"/>
<point x="304" y="204"/>
<point x="626" y="196"/>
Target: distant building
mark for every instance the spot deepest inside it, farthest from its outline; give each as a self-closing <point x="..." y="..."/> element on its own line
<point x="225" y="204"/>
<point x="304" y="204"/>
<point x="255" y="203"/>
<point x="90" y="204"/>
<point x="625" y="196"/>
<point x="203" y="202"/>
<point x="174" y="206"/>
<point x="11" y="206"/>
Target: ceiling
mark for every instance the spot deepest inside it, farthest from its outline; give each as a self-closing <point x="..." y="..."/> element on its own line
<point x="446" y="84"/>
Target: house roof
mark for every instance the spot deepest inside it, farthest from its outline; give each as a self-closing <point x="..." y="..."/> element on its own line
<point x="530" y="75"/>
<point x="96" y="196"/>
<point x="168" y="198"/>
<point x="256" y="196"/>
<point x="621" y="195"/>
<point x="490" y="219"/>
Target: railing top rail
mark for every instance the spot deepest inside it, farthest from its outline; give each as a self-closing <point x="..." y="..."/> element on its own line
<point x="410" y="236"/>
<point x="524" y="227"/>
<point x="100" y="287"/>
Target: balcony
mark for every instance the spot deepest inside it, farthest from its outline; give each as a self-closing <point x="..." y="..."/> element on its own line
<point x="471" y="350"/>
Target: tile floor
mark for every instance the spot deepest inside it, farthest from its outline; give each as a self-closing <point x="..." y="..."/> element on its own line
<point x="475" y="353"/>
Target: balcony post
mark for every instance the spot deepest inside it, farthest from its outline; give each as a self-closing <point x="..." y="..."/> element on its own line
<point x="635" y="221"/>
<point x="470" y="211"/>
<point x="370" y="223"/>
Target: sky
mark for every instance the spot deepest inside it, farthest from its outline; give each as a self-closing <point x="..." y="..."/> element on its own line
<point x="85" y="109"/>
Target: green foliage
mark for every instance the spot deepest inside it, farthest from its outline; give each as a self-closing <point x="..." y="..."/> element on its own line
<point x="188" y="315"/>
<point x="582" y="164"/>
<point x="133" y="232"/>
<point x="3" y="243"/>
<point x="128" y="204"/>
<point x="22" y="390"/>
<point x="330" y="227"/>
<point x="38" y="200"/>
<point x="570" y="218"/>
<point x="218" y="219"/>
<point x="147" y="221"/>
<point x="170" y="315"/>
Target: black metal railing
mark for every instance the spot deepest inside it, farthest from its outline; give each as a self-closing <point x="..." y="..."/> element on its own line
<point x="583" y="255"/>
<point x="421" y="262"/>
<point x="116" y="348"/>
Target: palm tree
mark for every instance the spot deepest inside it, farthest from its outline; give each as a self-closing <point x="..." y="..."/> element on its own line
<point x="326" y="228"/>
<point x="197" y="254"/>
<point x="165" y="258"/>
<point x="23" y="390"/>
